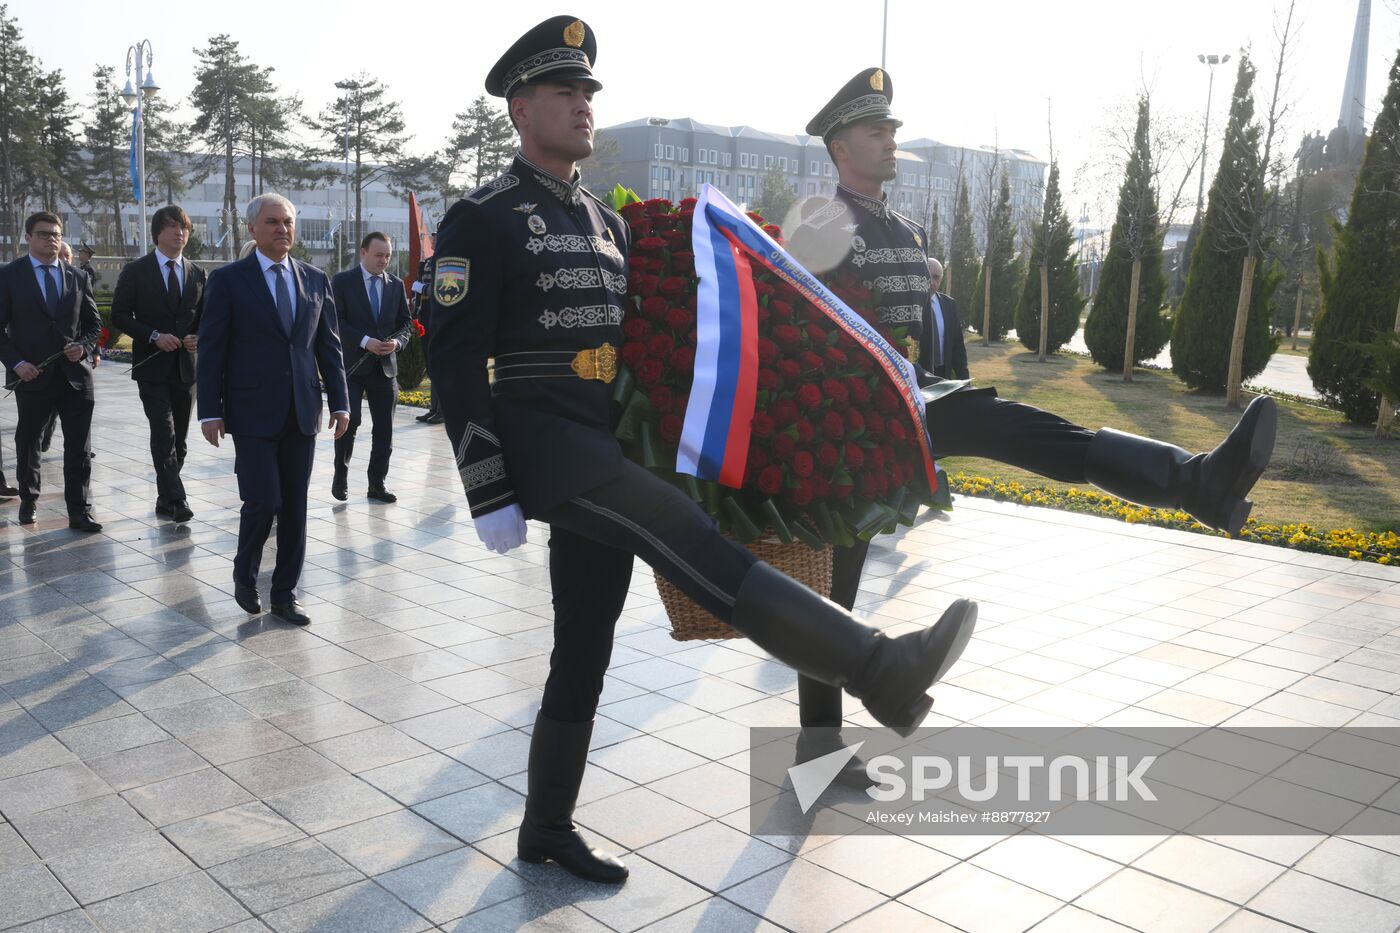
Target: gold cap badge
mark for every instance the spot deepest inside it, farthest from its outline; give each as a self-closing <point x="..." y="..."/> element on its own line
<point x="574" y="34"/>
<point x="877" y="81"/>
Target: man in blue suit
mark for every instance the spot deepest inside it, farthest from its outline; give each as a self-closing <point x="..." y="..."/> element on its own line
<point x="269" y="325"/>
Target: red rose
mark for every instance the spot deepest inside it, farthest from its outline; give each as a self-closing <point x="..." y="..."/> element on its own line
<point x="898" y="433"/>
<point x="672" y="237"/>
<point x="654" y="307"/>
<point x="833" y="426"/>
<point x="633" y="211"/>
<point x="801" y="494"/>
<point x="687" y="204"/>
<point x="855" y="422"/>
<point x="816" y="334"/>
<point x="886" y="401"/>
<point x="767" y="350"/>
<point x="661" y="399"/>
<point x="803" y="463"/>
<point x="860" y="392"/>
<point x="672" y="285"/>
<point x="869" y="486"/>
<point x="640" y="228"/>
<point x="820" y="487"/>
<point x="650" y="372"/>
<point x="790" y="370"/>
<point x="770" y="480"/>
<point x="646" y="285"/>
<point x="875" y="425"/>
<point x="784" y="411"/>
<point x="878" y="458"/>
<point x="670" y="428"/>
<point x="634" y="354"/>
<point x="828" y="456"/>
<point x="683" y="260"/>
<point x="657" y="206"/>
<point x="762" y="288"/>
<point x="809" y="396"/>
<point x="842" y="490"/>
<point x="855" y="457"/>
<point x="782" y="311"/>
<point x="836" y="357"/>
<point x="805" y="432"/>
<point x="761" y="425"/>
<point x="679" y="319"/>
<point x="835" y="390"/>
<point x="811" y="362"/>
<point x="660" y="345"/>
<point x="773" y="230"/>
<point x="758" y="458"/>
<point x="784" y="446"/>
<point x="768" y="380"/>
<point x="787" y="336"/>
<point x="635" y="328"/>
<point x="682" y="360"/>
<point x="648" y="244"/>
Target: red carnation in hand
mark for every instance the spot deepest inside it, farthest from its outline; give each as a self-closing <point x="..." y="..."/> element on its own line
<point x="790" y="370"/>
<point x="828" y="456"/>
<point x="635" y="328"/>
<point x="805" y="432"/>
<point x="761" y="425"/>
<point x="672" y="285"/>
<point x="683" y="359"/>
<point x="418" y="326"/>
<point x="809" y="396"/>
<point x="833" y="426"/>
<point x="768" y="380"/>
<point x="670" y="428"/>
<point x="660" y="345"/>
<point x="770" y="480"/>
<point x="855" y="457"/>
<point x="634" y="354"/>
<point x="784" y="411"/>
<point x="784" y="446"/>
<point x="650" y="372"/>
<point x="661" y="399"/>
<point x="767" y="351"/>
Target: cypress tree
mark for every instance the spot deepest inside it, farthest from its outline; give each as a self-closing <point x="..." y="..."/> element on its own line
<point x="960" y="276"/>
<point x="1000" y="266"/>
<point x="1361" y="282"/>
<point x="1136" y="238"/>
<point x="934" y="236"/>
<point x="1205" y="321"/>
<point x="1052" y="242"/>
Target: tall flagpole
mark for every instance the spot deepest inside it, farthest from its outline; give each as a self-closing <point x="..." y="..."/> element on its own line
<point x="884" y="33"/>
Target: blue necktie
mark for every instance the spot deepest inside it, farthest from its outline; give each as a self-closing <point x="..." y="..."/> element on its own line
<point x="284" y="297"/>
<point x="51" y="291"/>
<point x="374" y="297"/>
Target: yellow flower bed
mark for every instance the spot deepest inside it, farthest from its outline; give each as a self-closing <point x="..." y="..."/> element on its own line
<point x="1379" y="547"/>
<point x="416" y="399"/>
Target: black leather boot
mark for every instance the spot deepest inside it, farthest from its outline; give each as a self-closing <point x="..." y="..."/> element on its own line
<point x="816" y="637"/>
<point x="1210" y="487"/>
<point x="558" y="754"/>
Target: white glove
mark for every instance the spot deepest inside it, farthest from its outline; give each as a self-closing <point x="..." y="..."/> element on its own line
<point x="502" y="530"/>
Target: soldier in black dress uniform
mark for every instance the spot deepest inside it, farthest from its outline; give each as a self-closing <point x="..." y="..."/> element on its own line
<point x="855" y="239"/>
<point x="531" y="270"/>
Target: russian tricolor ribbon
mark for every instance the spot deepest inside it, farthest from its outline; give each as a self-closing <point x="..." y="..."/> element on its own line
<point x="714" y="442"/>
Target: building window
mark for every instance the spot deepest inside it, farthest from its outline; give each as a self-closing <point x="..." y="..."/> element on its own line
<point x="743" y="160"/>
<point x="727" y="159"/>
<point x="768" y="161"/>
<point x="811" y="188"/>
<point x="660" y="151"/>
<point x="655" y="173"/>
<point x="700" y="156"/>
<point x="685" y="153"/>
<point x="670" y="152"/>
<point x="666" y="173"/>
<point x="826" y="170"/>
<point x="782" y="163"/>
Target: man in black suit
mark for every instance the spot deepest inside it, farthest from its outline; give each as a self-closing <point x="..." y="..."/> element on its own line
<point x="942" y="351"/>
<point x="157" y="301"/>
<point x="374" y="327"/>
<point x="268" y="326"/>
<point x="49" y="327"/>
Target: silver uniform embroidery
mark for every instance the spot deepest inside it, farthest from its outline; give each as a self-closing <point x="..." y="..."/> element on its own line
<point x="854" y="110"/>
<point x="492" y="188"/>
<point x="482" y="472"/>
<point x="888" y="254"/>
<point x="832" y="211"/>
<point x="581" y="278"/>
<point x="584" y="316"/>
<point x="573" y="243"/>
<point x="901" y="314"/>
<point x="878" y="208"/>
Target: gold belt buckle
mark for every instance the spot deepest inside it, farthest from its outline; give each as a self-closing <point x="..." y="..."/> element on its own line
<point x="596" y="363"/>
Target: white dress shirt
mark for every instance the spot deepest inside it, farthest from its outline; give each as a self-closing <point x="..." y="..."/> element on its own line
<point x="162" y="259"/>
<point x="43" y="278"/>
<point x="369" y="277"/>
<point x="938" y="321"/>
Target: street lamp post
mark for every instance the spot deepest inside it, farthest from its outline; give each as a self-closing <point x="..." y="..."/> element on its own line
<point x="135" y="95"/>
<point x="1210" y="61"/>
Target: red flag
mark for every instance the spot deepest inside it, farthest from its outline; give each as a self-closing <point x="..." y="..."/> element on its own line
<point x="420" y="244"/>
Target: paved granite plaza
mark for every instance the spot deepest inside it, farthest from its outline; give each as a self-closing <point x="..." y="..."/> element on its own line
<point x="169" y="763"/>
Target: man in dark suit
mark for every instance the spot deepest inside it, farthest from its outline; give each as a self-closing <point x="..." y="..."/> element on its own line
<point x="157" y="301"/>
<point x="374" y="327"/>
<point x="268" y="326"/>
<point x="942" y="351"/>
<point x="49" y="327"/>
<point x="422" y="294"/>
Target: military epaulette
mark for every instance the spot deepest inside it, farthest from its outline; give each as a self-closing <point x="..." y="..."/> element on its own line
<point x="493" y="187"/>
<point x="913" y="227"/>
<point x="824" y="215"/>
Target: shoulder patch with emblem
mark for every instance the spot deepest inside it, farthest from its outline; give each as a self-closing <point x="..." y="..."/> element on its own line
<point x="832" y="211"/>
<point x="451" y="276"/>
<point x="492" y="188"/>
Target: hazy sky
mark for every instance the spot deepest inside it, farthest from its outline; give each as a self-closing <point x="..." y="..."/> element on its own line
<point x="962" y="72"/>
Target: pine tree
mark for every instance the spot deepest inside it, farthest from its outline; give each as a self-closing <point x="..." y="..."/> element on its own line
<point x="1361" y="280"/>
<point x="1205" y="320"/>
<point x="1136" y="241"/>
<point x="776" y="197"/>
<point x="960" y="275"/>
<point x="20" y="121"/>
<point x="1051" y="244"/>
<point x="934" y="235"/>
<point x="62" y="165"/>
<point x="226" y="87"/>
<point x="480" y="146"/>
<point x="1001" y="268"/>
<point x="107" y="136"/>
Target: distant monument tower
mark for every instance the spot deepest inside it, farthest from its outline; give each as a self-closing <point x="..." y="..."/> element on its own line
<point x="1347" y="138"/>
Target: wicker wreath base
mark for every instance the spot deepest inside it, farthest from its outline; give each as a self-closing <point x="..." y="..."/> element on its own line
<point x="690" y="622"/>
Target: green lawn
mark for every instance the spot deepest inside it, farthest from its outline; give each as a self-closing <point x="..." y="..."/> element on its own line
<point x="1325" y="472"/>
